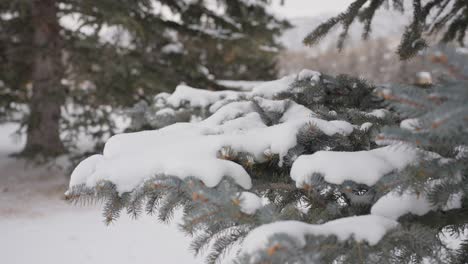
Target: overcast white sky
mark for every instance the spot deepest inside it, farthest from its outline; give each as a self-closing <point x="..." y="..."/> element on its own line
<point x="304" y="8"/>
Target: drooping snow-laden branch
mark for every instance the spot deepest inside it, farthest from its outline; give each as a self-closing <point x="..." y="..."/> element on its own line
<point x="284" y="170"/>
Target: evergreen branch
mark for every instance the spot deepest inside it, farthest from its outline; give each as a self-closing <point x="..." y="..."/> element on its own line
<point x="225" y="241"/>
<point x="461" y="255"/>
<point x="412" y="40"/>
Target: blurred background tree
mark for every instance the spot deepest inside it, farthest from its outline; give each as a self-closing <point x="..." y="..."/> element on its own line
<point x="74" y="62"/>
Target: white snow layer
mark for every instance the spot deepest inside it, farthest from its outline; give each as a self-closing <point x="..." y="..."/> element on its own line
<point x="204" y="98"/>
<point x="249" y="202"/>
<point x="273" y="88"/>
<point x="393" y="205"/>
<point x="176" y="47"/>
<point x="365" y="167"/>
<point x="366" y="126"/>
<point x="411" y="124"/>
<point x="379" y="113"/>
<point x="239" y="85"/>
<point x="191" y="149"/>
<point x="198" y="97"/>
<point x="368" y="228"/>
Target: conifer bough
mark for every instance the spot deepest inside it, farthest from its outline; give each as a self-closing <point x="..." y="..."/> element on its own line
<point x="306" y="169"/>
<point x="447" y="18"/>
<point x="297" y="170"/>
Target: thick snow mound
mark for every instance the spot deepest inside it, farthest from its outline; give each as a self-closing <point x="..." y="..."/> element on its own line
<point x="393" y="205"/>
<point x="249" y="202"/>
<point x="345" y="228"/>
<point x="180" y="150"/>
<point x="191" y="149"/>
<point x="365" y="167"/>
<point x="201" y="98"/>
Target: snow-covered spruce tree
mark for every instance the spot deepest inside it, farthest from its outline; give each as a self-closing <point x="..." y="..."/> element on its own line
<point x="325" y="184"/>
<point x="340" y="204"/>
<point x="289" y="171"/>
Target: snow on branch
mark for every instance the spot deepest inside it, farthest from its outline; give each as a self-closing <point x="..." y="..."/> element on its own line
<point x="249" y="202"/>
<point x="366" y="228"/>
<point x="192" y="149"/>
<point x="278" y="139"/>
<point x="393" y="205"/>
<point x="365" y="167"/>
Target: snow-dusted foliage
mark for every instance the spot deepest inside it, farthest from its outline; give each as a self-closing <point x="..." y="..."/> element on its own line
<point x="377" y="163"/>
<point x="292" y="171"/>
<point x="343" y="229"/>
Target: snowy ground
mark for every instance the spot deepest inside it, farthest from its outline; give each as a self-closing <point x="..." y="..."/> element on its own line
<point x="37" y="226"/>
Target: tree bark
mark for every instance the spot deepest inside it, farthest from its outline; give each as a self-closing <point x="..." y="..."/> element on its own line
<point x="43" y="133"/>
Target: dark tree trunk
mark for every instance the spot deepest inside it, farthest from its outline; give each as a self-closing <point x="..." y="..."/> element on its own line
<point x="43" y="135"/>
